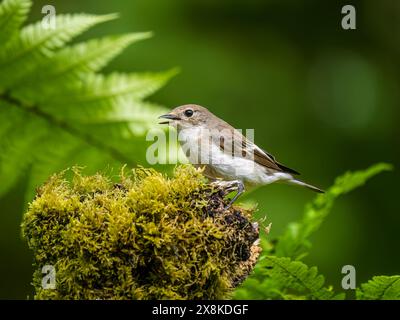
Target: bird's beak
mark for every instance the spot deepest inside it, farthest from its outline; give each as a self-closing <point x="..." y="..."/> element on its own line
<point x="168" y="116"/>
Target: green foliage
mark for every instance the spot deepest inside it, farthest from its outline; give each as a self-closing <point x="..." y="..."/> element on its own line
<point x="279" y="274"/>
<point x="12" y="15"/>
<point x="295" y="279"/>
<point x="282" y="278"/>
<point x="56" y="110"/>
<point x="380" y="288"/>
<point x="146" y="237"/>
<point x="294" y="242"/>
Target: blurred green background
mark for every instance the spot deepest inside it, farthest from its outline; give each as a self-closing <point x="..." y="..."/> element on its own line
<point x="323" y="100"/>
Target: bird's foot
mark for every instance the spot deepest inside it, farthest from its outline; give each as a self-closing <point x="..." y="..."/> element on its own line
<point x="228" y="187"/>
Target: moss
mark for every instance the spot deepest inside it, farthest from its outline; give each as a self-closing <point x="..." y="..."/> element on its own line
<point x="146" y="237"/>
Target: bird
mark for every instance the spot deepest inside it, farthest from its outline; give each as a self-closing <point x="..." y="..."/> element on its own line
<point x="225" y="153"/>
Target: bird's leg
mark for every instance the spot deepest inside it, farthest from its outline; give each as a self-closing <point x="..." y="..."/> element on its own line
<point x="227" y="187"/>
<point x="240" y="190"/>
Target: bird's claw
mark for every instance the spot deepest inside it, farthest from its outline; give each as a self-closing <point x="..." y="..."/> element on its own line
<point x="229" y="186"/>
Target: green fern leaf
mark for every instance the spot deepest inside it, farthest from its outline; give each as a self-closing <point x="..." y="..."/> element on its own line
<point x="287" y="279"/>
<point x="141" y="114"/>
<point x="9" y="116"/>
<point x="297" y="276"/>
<point x="56" y="159"/>
<point x="279" y="277"/>
<point x="98" y="90"/>
<point x="16" y="149"/>
<point x="73" y="62"/>
<point x="13" y="13"/>
<point x="294" y="242"/>
<point x="380" y="288"/>
<point x="92" y="55"/>
<point x="260" y="286"/>
<point x="68" y="115"/>
<point x="35" y="43"/>
<point x="47" y="159"/>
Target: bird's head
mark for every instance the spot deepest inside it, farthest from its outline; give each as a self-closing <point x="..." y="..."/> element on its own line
<point x="188" y="116"/>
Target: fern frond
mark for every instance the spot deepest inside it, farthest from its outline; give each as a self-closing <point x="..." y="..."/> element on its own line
<point x="98" y="90"/>
<point x="56" y="159"/>
<point x="13" y="13"/>
<point x="142" y="115"/>
<point x="92" y="55"/>
<point x="9" y="116"/>
<point x="73" y="62"/>
<point x="50" y="158"/>
<point x="35" y="42"/>
<point x="17" y="148"/>
<point x="112" y="145"/>
<point x="260" y="285"/>
<point x="66" y="114"/>
<point x="297" y="276"/>
<point x="294" y="242"/>
<point x="254" y="289"/>
<point x="287" y="279"/>
<point x="380" y="288"/>
<point x="282" y="278"/>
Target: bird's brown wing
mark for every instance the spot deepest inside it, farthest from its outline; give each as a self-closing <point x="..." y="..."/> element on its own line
<point x="245" y="148"/>
<point x="265" y="158"/>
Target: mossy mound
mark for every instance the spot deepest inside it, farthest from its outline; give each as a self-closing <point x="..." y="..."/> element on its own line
<point x="146" y="237"/>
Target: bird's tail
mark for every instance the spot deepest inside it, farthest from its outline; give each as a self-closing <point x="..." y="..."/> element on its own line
<point x="303" y="184"/>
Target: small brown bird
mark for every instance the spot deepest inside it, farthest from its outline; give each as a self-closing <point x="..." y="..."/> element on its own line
<point x="224" y="152"/>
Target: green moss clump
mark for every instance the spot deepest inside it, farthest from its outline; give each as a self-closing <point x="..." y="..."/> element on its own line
<point x="146" y="237"/>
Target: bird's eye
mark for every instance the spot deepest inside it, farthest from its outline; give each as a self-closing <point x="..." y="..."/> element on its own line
<point x="188" y="113"/>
